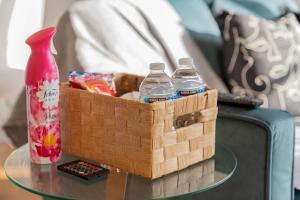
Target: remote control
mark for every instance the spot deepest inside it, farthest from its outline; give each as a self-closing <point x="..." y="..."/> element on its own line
<point x="247" y="101"/>
<point x="83" y="170"/>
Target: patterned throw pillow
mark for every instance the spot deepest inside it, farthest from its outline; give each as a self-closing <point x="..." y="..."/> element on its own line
<point x="262" y="58"/>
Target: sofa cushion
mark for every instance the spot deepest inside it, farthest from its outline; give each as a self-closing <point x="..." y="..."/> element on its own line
<point x="259" y="8"/>
<point x="197" y="17"/>
<point x="260" y="58"/>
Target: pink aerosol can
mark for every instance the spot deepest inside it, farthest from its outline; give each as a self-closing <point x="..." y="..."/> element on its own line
<point x="42" y="98"/>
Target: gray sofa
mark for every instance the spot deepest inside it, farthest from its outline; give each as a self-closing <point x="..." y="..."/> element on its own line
<point x="263" y="139"/>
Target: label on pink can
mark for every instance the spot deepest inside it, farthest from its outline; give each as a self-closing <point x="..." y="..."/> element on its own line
<point x="43" y="121"/>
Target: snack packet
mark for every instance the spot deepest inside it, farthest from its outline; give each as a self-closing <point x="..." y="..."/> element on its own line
<point x="93" y="82"/>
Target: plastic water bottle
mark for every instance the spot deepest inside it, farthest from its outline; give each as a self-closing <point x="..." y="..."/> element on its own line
<point x="186" y="78"/>
<point x="187" y="82"/>
<point x="157" y="86"/>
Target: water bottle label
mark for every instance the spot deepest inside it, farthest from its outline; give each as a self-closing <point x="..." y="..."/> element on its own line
<point x="189" y="92"/>
<point x="154" y="99"/>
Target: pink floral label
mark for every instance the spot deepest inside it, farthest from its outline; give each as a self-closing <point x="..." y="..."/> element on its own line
<point x="43" y="121"/>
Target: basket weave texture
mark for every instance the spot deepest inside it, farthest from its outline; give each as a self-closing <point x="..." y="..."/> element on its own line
<point x="134" y="136"/>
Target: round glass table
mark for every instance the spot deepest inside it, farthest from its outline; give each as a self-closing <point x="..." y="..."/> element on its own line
<point x="46" y="181"/>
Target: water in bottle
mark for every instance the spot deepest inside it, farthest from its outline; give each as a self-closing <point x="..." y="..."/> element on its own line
<point x="187" y="82"/>
<point x="186" y="78"/>
<point x="157" y="86"/>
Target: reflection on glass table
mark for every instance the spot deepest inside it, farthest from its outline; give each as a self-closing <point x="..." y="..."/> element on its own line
<point x="46" y="181"/>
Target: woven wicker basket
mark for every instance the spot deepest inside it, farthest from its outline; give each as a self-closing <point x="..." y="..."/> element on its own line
<point x="134" y="136"/>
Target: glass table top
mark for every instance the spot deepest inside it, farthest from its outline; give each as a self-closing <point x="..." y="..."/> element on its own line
<point x="46" y="181"/>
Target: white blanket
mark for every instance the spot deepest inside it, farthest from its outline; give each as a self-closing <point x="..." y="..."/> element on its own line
<point x="127" y="35"/>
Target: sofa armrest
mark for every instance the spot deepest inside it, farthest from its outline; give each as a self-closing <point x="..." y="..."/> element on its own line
<point x="263" y="141"/>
